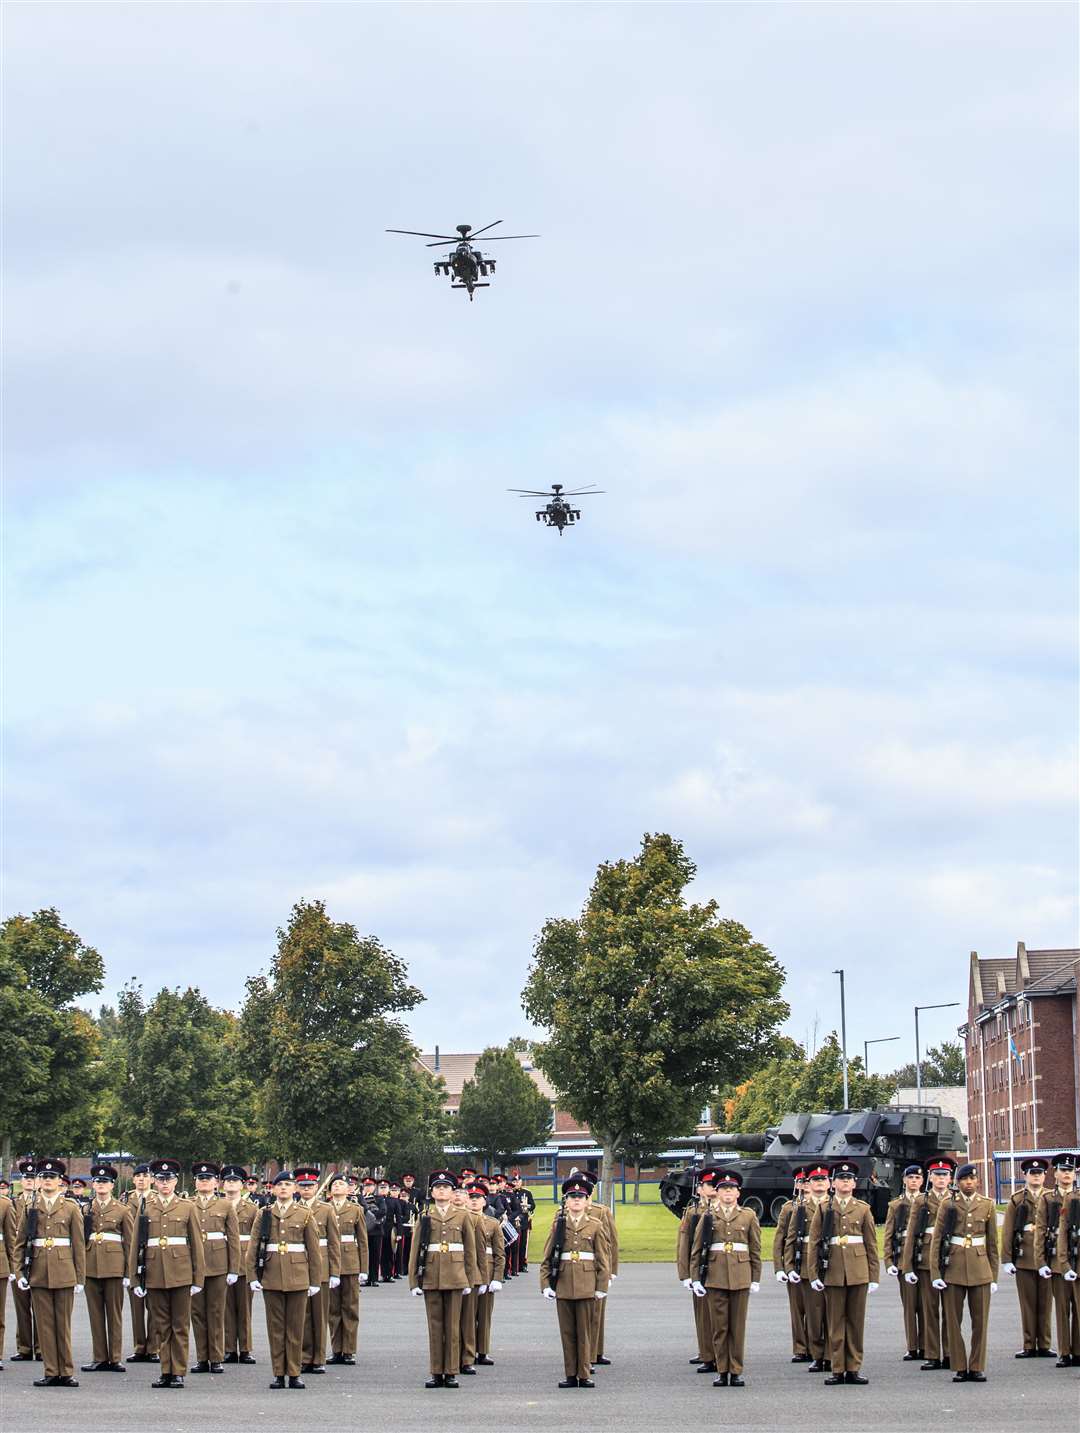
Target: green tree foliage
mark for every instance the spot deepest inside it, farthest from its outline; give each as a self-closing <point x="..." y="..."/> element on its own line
<point x="186" y="1091"/>
<point x="650" y="1003"/>
<point x="791" y="1083"/>
<point x="943" y="1064"/>
<point x="501" y="1110"/>
<point x="416" y="1142"/>
<point x="50" y="1075"/>
<point x="331" y="1063"/>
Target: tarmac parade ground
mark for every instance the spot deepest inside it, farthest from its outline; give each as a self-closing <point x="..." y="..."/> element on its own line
<point x="649" y="1385"/>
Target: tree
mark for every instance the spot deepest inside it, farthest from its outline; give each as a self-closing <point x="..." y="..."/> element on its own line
<point x="333" y="1067"/>
<point x="649" y="1003"/>
<point x="501" y="1111"/>
<point x="186" y="1091"/>
<point x="48" y="1081"/>
<point x="417" y="1141"/>
<point x="943" y="1064"/>
<point x="791" y="1082"/>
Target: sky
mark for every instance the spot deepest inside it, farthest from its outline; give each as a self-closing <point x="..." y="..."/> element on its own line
<point x="804" y="305"/>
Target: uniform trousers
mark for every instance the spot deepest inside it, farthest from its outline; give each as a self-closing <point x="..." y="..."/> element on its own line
<point x="728" y="1309"/>
<point x="845" y="1314"/>
<point x="170" y="1318"/>
<point x="935" y="1344"/>
<point x="386" y="1258"/>
<point x="469" y="1303"/>
<point x="143" y="1335"/>
<point x="913" y="1316"/>
<point x="345" y="1314"/>
<point x="315" y="1327"/>
<point x="1036" y="1301"/>
<point x="443" y="1309"/>
<point x="26" y="1341"/>
<point x="576" y="1329"/>
<point x="485" y="1309"/>
<point x="703" y="1328"/>
<point x="405" y="1249"/>
<point x="524" y="1241"/>
<point x="52" y="1322"/>
<point x="1066" y="1295"/>
<point x="105" y="1305"/>
<point x="816" y="1316"/>
<point x="374" y="1251"/>
<point x="599" y="1318"/>
<point x="238" y="1317"/>
<point x="977" y="1297"/>
<point x="797" y="1312"/>
<point x="285" y="1315"/>
<point x="208" y="1319"/>
<point x="3" y="1316"/>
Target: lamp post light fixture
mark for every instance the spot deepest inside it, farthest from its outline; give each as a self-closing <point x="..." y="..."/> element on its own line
<point x="884" y="1040"/>
<point x="944" y="1005"/>
<point x="843" y="1033"/>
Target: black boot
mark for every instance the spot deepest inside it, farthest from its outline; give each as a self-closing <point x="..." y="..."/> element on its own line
<point x="855" y="1378"/>
<point x="736" y="1381"/>
<point x="435" y="1381"/>
<point x="295" y="1382"/>
<point x="484" y="1361"/>
<point x="816" y="1365"/>
<point x="217" y="1368"/>
<point x="585" y="1383"/>
<point x="602" y="1361"/>
<point x="450" y="1381"/>
<point x="912" y="1356"/>
<point x="835" y="1378"/>
<point x="568" y="1383"/>
<point x="720" y="1381"/>
<point x="468" y="1370"/>
<point x="44" y="1382"/>
<point x="705" y="1368"/>
<point x="931" y="1363"/>
<point x="974" y="1376"/>
<point x="165" y="1381"/>
<point x="959" y="1376"/>
<point x="232" y="1358"/>
<point x="201" y="1367"/>
<point x="95" y="1367"/>
<point x="178" y="1381"/>
<point x="278" y="1382"/>
<point x="246" y="1358"/>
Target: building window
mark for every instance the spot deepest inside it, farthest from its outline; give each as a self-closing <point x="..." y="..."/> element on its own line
<point x="545" y="1164"/>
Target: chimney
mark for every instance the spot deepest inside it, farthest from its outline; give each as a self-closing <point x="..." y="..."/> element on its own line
<point x="436" y="1059"/>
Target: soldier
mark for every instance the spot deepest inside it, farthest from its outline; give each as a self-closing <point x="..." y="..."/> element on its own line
<point x="27" y="1349"/>
<point x="143" y="1335"/>
<point x="284" y="1264"/>
<point x="443" y="1268"/>
<point x="915" y="1262"/>
<point x="50" y="1253"/>
<point x="460" y="1199"/>
<point x="376" y="1207"/>
<point x="344" y="1301"/>
<point x="796" y="1307"/>
<point x="964" y="1258"/>
<point x="896" y="1222"/>
<point x="8" y="1224"/>
<point x="221" y="1255"/>
<point x="843" y="1263"/>
<point x="726" y="1262"/>
<point x="490" y="1258"/>
<point x="602" y="1212"/>
<point x="77" y="1190"/>
<point x="1057" y="1237"/>
<point x="168" y="1268"/>
<point x="251" y="1192"/>
<point x="1018" y="1247"/>
<point x="796" y="1262"/>
<point x="234" y="1178"/>
<point x="684" y="1243"/>
<point x="527" y="1201"/>
<point x="575" y="1272"/>
<point x="318" y="1306"/>
<point x="107" y="1227"/>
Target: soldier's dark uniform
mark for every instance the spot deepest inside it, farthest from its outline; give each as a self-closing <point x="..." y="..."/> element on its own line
<point x="1019" y="1257"/>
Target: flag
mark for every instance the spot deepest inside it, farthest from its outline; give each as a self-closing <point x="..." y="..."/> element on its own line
<point x="1014" y="1051"/>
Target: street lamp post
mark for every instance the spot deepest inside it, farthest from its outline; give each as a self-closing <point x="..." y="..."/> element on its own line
<point x="843" y="1033"/>
<point x="884" y="1040"/>
<point x="945" y="1004"/>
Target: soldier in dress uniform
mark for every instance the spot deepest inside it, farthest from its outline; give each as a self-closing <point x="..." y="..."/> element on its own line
<point x="796" y="1308"/>
<point x="699" y="1205"/>
<point x="344" y="1301"/>
<point x="1057" y="1237"/>
<point x="410" y="1200"/>
<point x="284" y="1264"/>
<point x="145" y="1339"/>
<point x="376" y="1207"/>
<point x="964" y="1259"/>
<point x="843" y="1262"/>
<point x="915" y="1262"/>
<point x="469" y="1300"/>
<point x="171" y="1265"/>
<point x="50" y="1254"/>
<point x="726" y="1263"/>
<point x="251" y="1191"/>
<point x="78" y="1191"/>
<point x="8" y="1224"/>
<point x="318" y="1306"/>
<point x="575" y="1272"/>
<point x="107" y="1226"/>
<point x="1019" y="1259"/>
<point x="796" y="1262"/>
<point x="27" y="1348"/>
<point x="234" y="1178"/>
<point x="490" y="1257"/>
<point x="221" y="1256"/>
<point x="602" y="1211"/>
<point x="442" y="1268"/>
<point x="896" y="1222"/>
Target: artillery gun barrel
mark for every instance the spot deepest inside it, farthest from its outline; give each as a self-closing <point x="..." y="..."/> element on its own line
<point x="710" y="1142"/>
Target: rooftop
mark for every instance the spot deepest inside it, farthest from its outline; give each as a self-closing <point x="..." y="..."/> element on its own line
<point x="1030" y="972"/>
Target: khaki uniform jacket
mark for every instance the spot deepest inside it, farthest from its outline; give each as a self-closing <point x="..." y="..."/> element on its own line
<point x="55" y="1265"/>
<point x="918" y="1260"/>
<point x="893" y="1214"/>
<point x="730" y="1267"/>
<point x="447" y="1268"/>
<point x="246" y="1216"/>
<point x="585" y="1267"/>
<point x="685" y="1242"/>
<point x="969" y="1263"/>
<point x="293" y="1258"/>
<point x="352" y="1233"/>
<point x="490" y="1248"/>
<point x="855" y="1259"/>
<point x="607" y="1220"/>
<point x="329" y="1238"/>
<point x="783" y="1219"/>
<point x="108" y="1248"/>
<point x="792" y="1237"/>
<point x="1059" y="1262"/>
<point x="220" y="1234"/>
<point x="1029" y="1203"/>
<point x="178" y="1260"/>
<point x="8" y="1227"/>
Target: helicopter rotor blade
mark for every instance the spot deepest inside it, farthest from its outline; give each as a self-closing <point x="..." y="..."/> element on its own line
<point x="442" y="244"/>
<point x="583" y="492"/>
<point x="497" y="238"/>
<point x="419" y="234"/>
<point x="484" y="229"/>
<point x="531" y="493"/>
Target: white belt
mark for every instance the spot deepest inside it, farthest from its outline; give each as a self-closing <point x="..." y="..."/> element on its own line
<point x="287" y="1249"/>
<point x="175" y="1240"/>
<point x="346" y="1239"/>
<point x="51" y="1243"/>
<point x="727" y="1247"/>
<point x="928" y="1233"/>
<point x="446" y="1248"/>
<point x="214" y="1235"/>
<point x="103" y="1238"/>
<point x="322" y="1243"/>
<point x="969" y="1241"/>
<point x="490" y="1250"/>
<point x="847" y="1239"/>
<point x="576" y="1254"/>
<point x="245" y="1238"/>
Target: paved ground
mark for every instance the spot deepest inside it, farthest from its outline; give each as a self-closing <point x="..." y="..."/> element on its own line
<point x="649" y="1338"/>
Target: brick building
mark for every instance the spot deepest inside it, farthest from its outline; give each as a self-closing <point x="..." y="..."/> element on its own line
<point x="1023" y="1059"/>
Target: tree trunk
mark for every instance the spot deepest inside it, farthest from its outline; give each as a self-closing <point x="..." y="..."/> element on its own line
<point x="607" y="1175"/>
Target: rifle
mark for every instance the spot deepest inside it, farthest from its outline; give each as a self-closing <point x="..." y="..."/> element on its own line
<point x="706" y="1246"/>
<point x="31" y="1235"/>
<point x="1072" y="1230"/>
<point x="143" y="1238"/>
<point x="800" y="1234"/>
<point x="557" y="1243"/>
<point x="88" y="1224"/>
<point x="1019" y="1229"/>
<point x="922" y="1219"/>
<point x="423" y="1233"/>
<point x="899" y="1230"/>
<point x="262" y="1250"/>
<point x="1053" y="1219"/>
<point x="948" y="1225"/>
<point x="828" y="1223"/>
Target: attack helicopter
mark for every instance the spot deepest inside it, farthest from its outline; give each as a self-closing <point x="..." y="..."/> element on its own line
<point x="466" y="264"/>
<point x="558" y="513"/>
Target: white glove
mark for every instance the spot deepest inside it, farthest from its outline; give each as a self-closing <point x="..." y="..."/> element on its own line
<point x="196" y="1288"/>
<point x="698" y="1288"/>
<point x="417" y="1293"/>
<point x="893" y="1270"/>
<point x="550" y="1294"/>
<point x="255" y="1286"/>
<point x="872" y="1288"/>
<point x="599" y="1295"/>
<point x="613" y="1277"/>
<point x="1044" y="1273"/>
<point x="334" y="1281"/>
<point x="911" y="1278"/>
<point x="1070" y="1276"/>
<point x="139" y="1293"/>
<point x="363" y="1278"/>
<point x="993" y="1288"/>
<point x="781" y="1277"/>
<point x="231" y="1278"/>
<point x="938" y="1284"/>
<point x="23" y="1285"/>
<point x="755" y="1288"/>
<point x="688" y="1283"/>
<point x="794" y="1278"/>
<point x="817" y="1286"/>
<point x="494" y="1286"/>
<point x="78" y="1288"/>
<point x="1009" y="1268"/>
<point x="312" y="1290"/>
<point x="127" y="1283"/>
<point x="481" y="1288"/>
<point x="465" y="1293"/>
<point x="11" y="1278"/>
